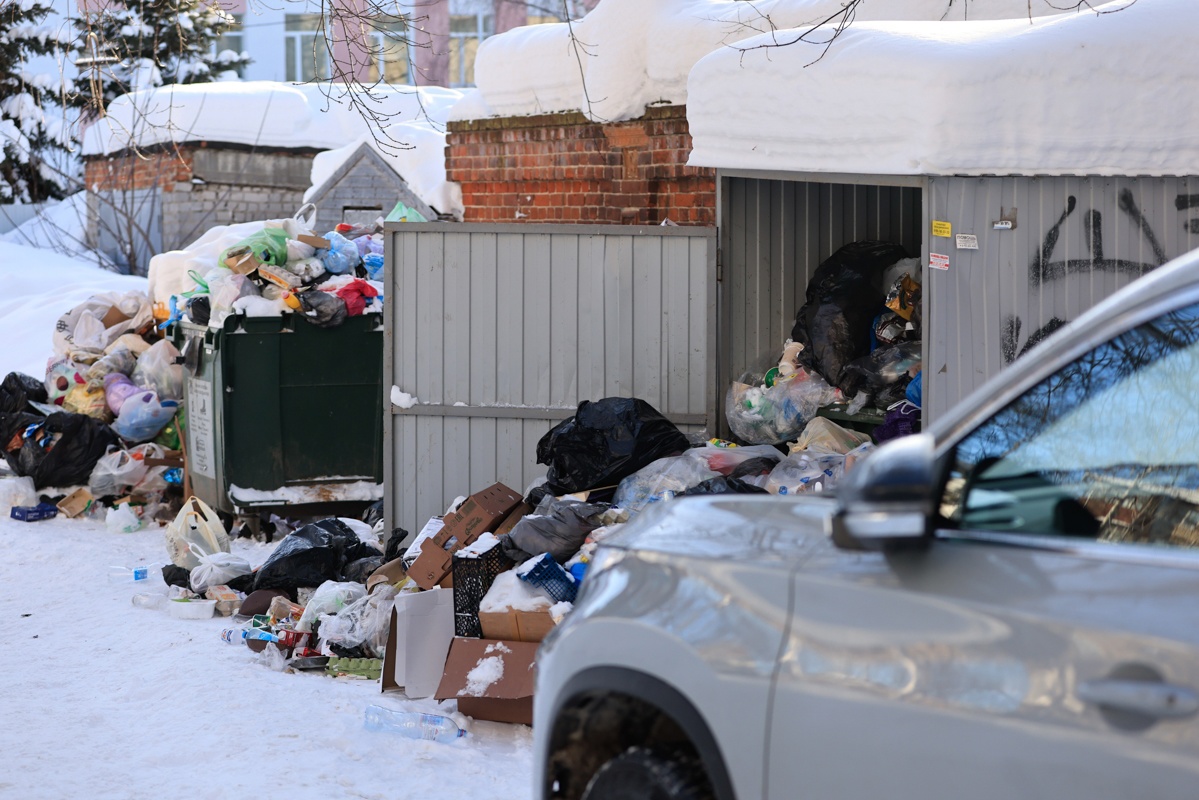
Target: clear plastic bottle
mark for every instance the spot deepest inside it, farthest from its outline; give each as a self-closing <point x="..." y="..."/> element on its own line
<point x="413" y="724"/>
<point x="149" y="600"/>
<point x="128" y="574"/>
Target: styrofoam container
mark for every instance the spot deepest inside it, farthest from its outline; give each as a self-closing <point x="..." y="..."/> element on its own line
<point x="191" y="609"/>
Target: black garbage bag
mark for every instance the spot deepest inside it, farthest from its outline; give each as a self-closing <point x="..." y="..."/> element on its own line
<point x="360" y="569"/>
<point x="843" y="298"/>
<point x="322" y="309"/>
<point x="558" y="527"/>
<point x="199" y="309"/>
<point x="881" y="373"/>
<point x="605" y="442"/>
<point x="394" y="547"/>
<point x="242" y="583"/>
<point x="373" y="513"/>
<point x="62" y="449"/>
<point x="723" y="485"/>
<point x="315" y="553"/>
<point x="177" y="576"/>
<point x="754" y="467"/>
<point x="18" y="389"/>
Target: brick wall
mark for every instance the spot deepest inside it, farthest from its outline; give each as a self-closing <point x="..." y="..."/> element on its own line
<point x="565" y="168"/>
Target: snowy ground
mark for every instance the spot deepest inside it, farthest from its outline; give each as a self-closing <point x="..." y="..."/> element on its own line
<point x="104" y="699"/>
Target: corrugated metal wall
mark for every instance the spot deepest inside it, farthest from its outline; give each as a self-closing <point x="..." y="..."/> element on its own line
<point x="774" y="233"/>
<point x="501" y="330"/>
<point x="1074" y="241"/>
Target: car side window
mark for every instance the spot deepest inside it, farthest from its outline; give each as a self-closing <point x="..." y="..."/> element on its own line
<point x="1106" y="448"/>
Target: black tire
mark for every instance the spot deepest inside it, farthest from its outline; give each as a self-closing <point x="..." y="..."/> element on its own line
<point x="643" y="774"/>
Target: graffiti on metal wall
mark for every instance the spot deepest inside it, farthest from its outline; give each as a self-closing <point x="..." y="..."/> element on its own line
<point x="1043" y="269"/>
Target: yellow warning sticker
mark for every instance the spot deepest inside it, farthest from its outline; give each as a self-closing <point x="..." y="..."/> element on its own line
<point x="942" y="228"/>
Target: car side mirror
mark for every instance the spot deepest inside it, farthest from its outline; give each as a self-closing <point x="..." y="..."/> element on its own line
<point x="887" y="501"/>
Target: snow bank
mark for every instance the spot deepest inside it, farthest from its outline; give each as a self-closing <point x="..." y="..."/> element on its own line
<point x="1074" y="94"/>
<point x="37" y="287"/>
<point x="632" y="54"/>
<point x="59" y="226"/>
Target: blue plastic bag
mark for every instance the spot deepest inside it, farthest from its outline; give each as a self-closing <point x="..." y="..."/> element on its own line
<point x="342" y="255"/>
<point x="374" y="266"/>
<point x="143" y="416"/>
<point x="915" y="390"/>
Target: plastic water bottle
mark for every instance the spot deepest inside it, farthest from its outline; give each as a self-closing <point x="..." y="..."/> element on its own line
<point x="413" y="724"/>
<point x="237" y="635"/>
<point x="128" y="574"/>
<point x="149" y="600"/>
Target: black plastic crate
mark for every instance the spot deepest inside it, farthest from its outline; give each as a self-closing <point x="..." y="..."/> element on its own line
<point x="472" y="578"/>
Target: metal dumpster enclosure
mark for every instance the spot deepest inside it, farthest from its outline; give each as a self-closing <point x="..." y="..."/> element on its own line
<point x="499" y="331"/>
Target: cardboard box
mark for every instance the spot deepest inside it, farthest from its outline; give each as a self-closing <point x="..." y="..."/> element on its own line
<point x="533" y="626"/>
<point x="319" y="242"/>
<point x="393" y="572"/>
<point x="516" y="515"/>
<point x="508" y="699"/>
<point x="518" y="626"/>
<point x="34" y="513"/>
<point x="242" y="261"/>
<point x="227" y="600"/>
<point x="422" y="627"/>
<point x="481" y="512"/>
<point x="75" y="503"/>
<point x="113" y="317"/>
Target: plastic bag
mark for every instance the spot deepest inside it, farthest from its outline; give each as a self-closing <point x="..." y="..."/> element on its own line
<point x="116" y="472"/>
<point x="342" y="255"/>
<point x="824" y="434"/>
<point x="122" y="519"/>
<point x="89" y="333"/>
<point x="117" y="389"/>
<point x="371" y="244"/>
<point x="60" y="450"/>
<point x="776" y="414"/>
<point x="726" y="460"/>
<point x="374" y="263"/>
<point x="903" y="297"/>
<point x="199" y="309"/>
<point x="133" y="314"/>
<point x="196" y="524"/>
<point x="158" y="369"/>
<point x="121" y="361"/>
<point x="356" y="294"/>
<point x="329" y="598"/>
<point x="558" y="527"/>
<point x="843" y="297"/>
<point x="662" y="480"/>
<point x="226" y="289"/>
<point x="365" y="622"/>
<point x="810" y="471"/>
<point x="87" y="399"/>
<point x="307" y="269"/>
<point x="724" y="485"/>
<point x="143" y="416"/>
<point x="605" y="442"/>
<point x="18" y="389"/>
<point x="322" y="309"/>
<point x="268" y="246"/>
<point x="884" y="367"/>
<point x="61" y="375"/>
<point x="311" y="555"/>
<point x="216" y="569"/>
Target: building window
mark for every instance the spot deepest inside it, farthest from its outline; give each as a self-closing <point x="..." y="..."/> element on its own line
<point x="466" y="32"/>
<point x="391" y="57"/>
<point x="306" y="53"/>
<point x="232" y="41"/>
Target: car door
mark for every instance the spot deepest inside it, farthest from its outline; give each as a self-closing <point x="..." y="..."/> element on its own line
<point x="1046" y="643"/>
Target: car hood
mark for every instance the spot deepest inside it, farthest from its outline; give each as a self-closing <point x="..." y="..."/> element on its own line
<point x="746" y="527"/>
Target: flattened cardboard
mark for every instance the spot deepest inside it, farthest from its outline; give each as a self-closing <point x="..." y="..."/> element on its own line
<point x="481" y="512"/>
<point x="499" y="624"/>
<point x="113" y="316"/>
<point x="510" y="699"/>
<point x="430" y="566"/>
<point x="422" y="627"/>
<point x="392" y="572"/>
<point x="319" y="242"/>
<point x="75" y="503"/>
<point x="513" y="517"/>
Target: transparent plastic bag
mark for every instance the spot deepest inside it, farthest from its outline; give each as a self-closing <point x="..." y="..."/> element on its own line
<point x="365" y="622"/>
<point x="158" y="369"/>
<point x="726" y="459"/>
<point x="307" y="269"/>
<point x="120" y="361"/>
<point x="122" y="519"/>
<point x="89" y="333"/>
<point x="216" y="569"/>
<point x="760" y="414"/>
<point x="116" y="472"/>
<point x="136" y="314"/>
<point x="662" y="480"/>
<point x="196" y="524"/>
<point x="807" y="472"/>
<point x="329" y="598"/>
<point x="117" y="389"/>
<point x="62" y="374"/>
<point x="826" y="435"/>
<point x="89" y="399"/>
<point x="143" y="416"/>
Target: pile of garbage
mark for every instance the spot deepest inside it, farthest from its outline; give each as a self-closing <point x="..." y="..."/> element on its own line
<point x="281" y="268"/>
<point x="856" y="344"/>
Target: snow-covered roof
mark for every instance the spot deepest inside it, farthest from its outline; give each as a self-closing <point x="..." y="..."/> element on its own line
<point x="256" y="113"/>
<point x="632" y="54"/>
<point x="1085" y="93"/>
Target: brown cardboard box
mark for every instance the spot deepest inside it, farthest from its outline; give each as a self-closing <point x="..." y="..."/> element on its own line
<point x="515" y="516"/>
<point x="227" y="601"/>
<point x="75" y="503"/>
<point x="481" y="512"/>
<point x="242" y="261"/>
<point x="393" y="572"/>
<point x="499" y="625"/>
<point x="509" y="699"/>
<point x="532" y="626"/>
<point x="319" y="242"/>
<point x="113" y="316"/>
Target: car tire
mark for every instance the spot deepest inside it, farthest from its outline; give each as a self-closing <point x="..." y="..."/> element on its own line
<point x="643" y="774"/>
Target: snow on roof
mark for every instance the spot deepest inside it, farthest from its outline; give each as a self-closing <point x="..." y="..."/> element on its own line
<point x="256" y="113"/>
<point x="1107" y="94"/>
<point x="632" y="54"/>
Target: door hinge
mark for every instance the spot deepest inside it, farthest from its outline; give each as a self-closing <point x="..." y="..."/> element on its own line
<point x="719" y="265"/>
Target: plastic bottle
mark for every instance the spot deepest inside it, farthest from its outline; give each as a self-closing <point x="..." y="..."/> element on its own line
<point x="237" y="635"/>
<point x="128" y="574"/>
<point x="149" y="600"/>
<point x="413" y="724"/>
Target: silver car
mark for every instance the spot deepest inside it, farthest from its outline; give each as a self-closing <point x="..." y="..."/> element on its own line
<point x="1006" y="607"/>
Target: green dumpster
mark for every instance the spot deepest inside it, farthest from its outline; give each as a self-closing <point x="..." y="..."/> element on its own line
<point x="281" y="413"/>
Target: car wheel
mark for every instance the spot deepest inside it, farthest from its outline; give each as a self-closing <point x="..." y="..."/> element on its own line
<point x="643" y="774"/>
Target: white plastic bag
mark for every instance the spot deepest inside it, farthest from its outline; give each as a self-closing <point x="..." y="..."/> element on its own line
<point x="157" y="369"/>
<point x="143" y="416"/>
<point x="116" y="472"/>
<point x="136" y="314"/>
<point x="216" y="569"/>
<point x="199" y="525"/>
<point x="824" y="434"/>
<point x="364" y="622"/>
<point x="807" y="472"/>
<point x="122" y="519"/>
<point x="329" y="598"/>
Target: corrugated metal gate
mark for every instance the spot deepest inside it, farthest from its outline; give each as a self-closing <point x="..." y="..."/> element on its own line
<point x="499" y="331"/>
